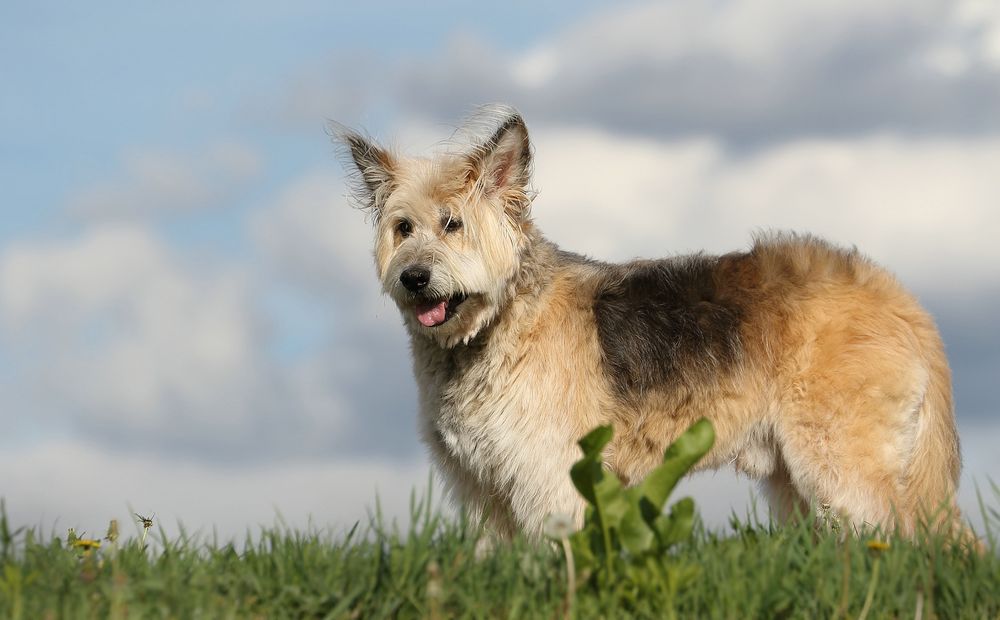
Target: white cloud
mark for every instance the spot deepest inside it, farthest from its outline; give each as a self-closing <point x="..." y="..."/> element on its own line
<point x="170" y="182"/>
<point x="923" y="206"/>
<point x="37" y="279"/>
<point x="161" y="333"/>
<point x="312" y="234"/>
<point x="949" y="60"/>
<point x="77" y="485"/>
<point x="123" y="339"/>
<point x="760" y="33"/>
<point x="926" y="208"/>
<point x="979" y="21"/>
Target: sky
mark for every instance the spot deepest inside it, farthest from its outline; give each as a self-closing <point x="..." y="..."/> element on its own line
<point x="190" y="323"/>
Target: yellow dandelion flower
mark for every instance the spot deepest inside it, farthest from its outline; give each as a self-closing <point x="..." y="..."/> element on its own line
<point x="86" y="543"/>
<point x="877" y="545"/>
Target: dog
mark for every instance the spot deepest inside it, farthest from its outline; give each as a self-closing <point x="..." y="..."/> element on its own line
<point x="823" y="377"/>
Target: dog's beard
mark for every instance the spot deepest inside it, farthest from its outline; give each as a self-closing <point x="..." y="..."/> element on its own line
<point x="449" y="321"/>
<point x="448" y="310"/>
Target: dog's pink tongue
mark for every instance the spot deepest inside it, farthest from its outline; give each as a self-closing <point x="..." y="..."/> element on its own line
<point x="433" y="313"/>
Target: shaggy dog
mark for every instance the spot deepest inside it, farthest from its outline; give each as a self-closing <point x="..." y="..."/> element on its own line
<point x="822" y="375"/>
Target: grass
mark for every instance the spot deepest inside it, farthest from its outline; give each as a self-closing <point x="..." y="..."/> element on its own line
<point x="633" y="558"/>
<point x="376" y="571"/>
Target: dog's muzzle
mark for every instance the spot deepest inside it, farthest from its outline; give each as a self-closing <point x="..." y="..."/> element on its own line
<point x="430" y="311"/>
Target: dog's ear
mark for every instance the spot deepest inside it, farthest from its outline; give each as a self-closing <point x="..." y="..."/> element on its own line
<point x="501" y="166"/>
<point x="375" y="166"/>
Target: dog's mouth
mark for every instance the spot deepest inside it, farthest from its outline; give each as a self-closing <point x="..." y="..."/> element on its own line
<point x="438" y="311"/>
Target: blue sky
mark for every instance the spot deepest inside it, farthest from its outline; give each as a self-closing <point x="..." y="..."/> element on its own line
<point x="188" y="312"/>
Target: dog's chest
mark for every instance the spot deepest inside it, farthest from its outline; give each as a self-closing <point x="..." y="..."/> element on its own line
<point x="490" y="417"/>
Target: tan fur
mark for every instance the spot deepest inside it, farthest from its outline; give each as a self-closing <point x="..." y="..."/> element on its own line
<point x="839" y="397"/>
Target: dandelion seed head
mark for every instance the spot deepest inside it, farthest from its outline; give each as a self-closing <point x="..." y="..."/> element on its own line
<point x="558" y="525"/>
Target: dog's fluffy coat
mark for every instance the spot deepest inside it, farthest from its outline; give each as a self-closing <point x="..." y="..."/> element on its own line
<point x="822" y="376"/>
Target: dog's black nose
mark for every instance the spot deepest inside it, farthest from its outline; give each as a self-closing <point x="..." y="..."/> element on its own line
<point x="415" y="278"/>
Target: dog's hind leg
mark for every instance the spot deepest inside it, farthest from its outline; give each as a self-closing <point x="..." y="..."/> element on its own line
<point x="783" y="498"/>
<point x="848" y="441"/>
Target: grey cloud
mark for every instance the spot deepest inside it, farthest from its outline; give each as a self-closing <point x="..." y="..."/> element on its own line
<point x="972" y="340"/>
<point x="381" y="394"/>
<point x="846" y="73"/>
<point x="466" y="74"/>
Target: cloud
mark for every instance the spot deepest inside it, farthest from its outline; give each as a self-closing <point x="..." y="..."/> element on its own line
<point x="968" y="326"/>
<point x="313" y="237"/>
<point x="138" y="371"/>
<point x="126" y="343"/>
<point x="158" y="182"/>
<point x="923" y="207"/>
<point x="748" y="72"/>
<point x="67" y="483"/>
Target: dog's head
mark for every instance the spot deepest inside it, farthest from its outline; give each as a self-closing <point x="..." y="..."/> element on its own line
<point x="449" y="230"/>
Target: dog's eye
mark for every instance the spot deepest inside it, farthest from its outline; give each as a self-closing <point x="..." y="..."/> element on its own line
<point x="452" y="225"/>
<point x="404" y="228"/>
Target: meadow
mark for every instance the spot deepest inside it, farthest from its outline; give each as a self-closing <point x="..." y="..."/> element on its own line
<point x="373" y="571"/>
<point x="635" y="557"/>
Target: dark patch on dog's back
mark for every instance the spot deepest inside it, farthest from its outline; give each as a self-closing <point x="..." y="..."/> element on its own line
<point x="661" y="323"/>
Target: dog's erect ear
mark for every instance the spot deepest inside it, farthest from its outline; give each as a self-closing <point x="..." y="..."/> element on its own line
<point x="502" y="164"/>
<point x="374" y="179"/>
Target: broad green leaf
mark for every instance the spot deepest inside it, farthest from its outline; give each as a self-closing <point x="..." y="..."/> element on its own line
<point x="601" y="488"/>
<point x="594" y="441"/>
<point x="634" y="532"/>
<point x="678" y="459"/>
<point x="623" y="526"/>
<point x="678" y="525"/>
<point x="587" y="473"/>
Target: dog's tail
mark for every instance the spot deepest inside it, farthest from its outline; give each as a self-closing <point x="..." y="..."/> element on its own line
<point x="935" y="464"/>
